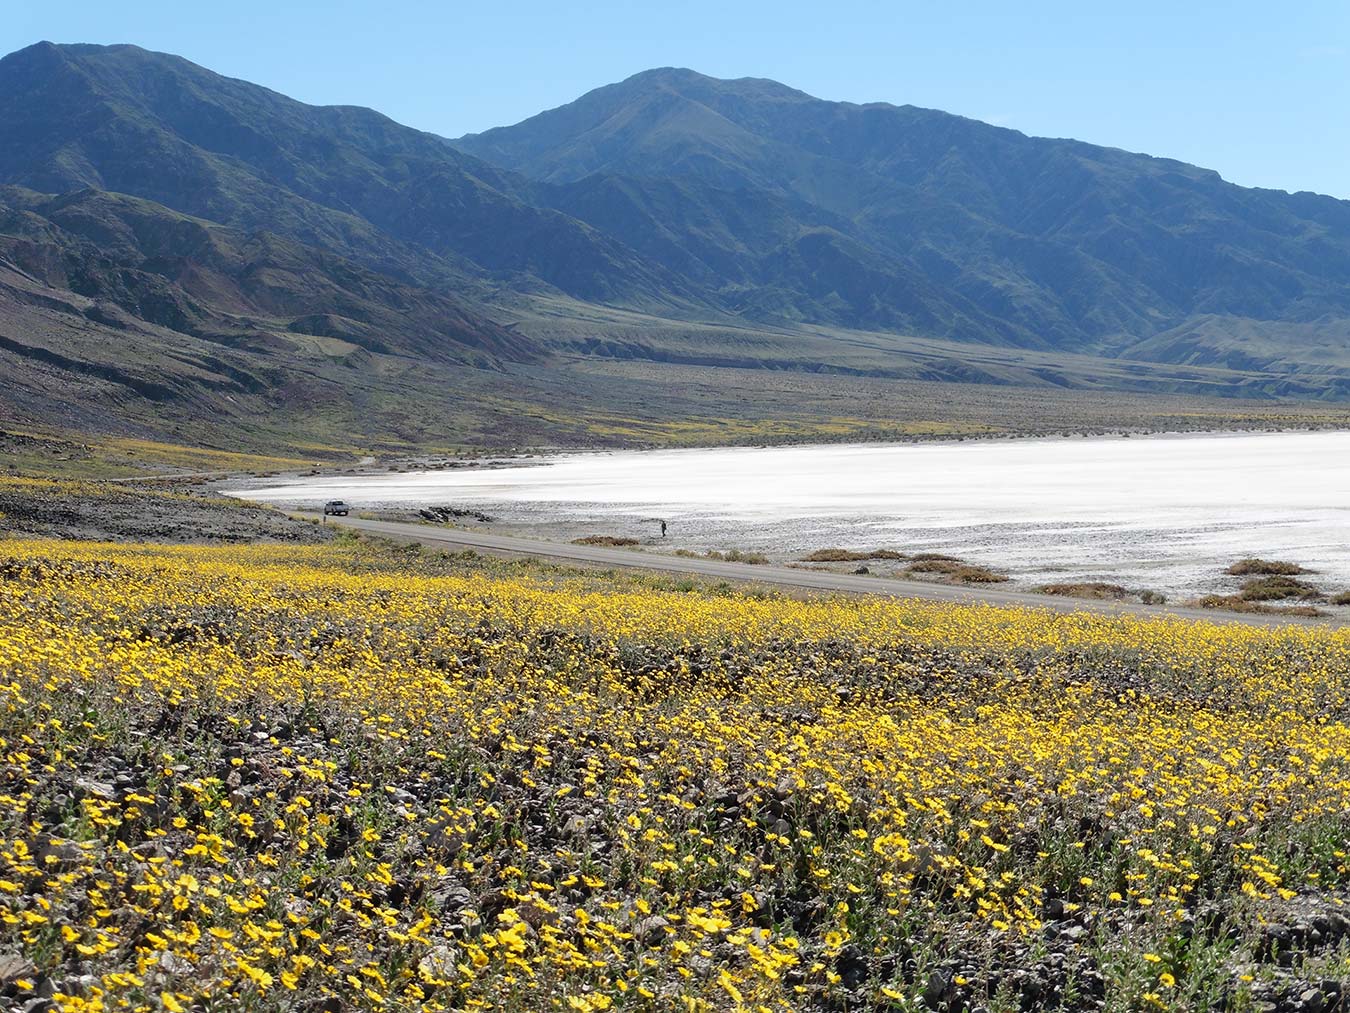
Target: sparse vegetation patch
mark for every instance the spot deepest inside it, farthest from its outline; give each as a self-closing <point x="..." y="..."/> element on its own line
<point x="1236" y="603"/>
<point x="727" y="555"/>
<point x="1277" y="589"/>
<point x="1087" y="589"/>
<point x="1094" y="590"/>
<point x="1268" y="567"/>
<point x="953" y="570"/>
<point x="850" y="556"/>
<point x="167" y="511"/>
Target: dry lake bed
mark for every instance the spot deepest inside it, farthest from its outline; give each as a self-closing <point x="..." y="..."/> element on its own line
<point x="1162" y="512"/>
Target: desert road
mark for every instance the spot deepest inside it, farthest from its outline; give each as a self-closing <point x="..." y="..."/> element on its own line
<point x="802" y="579"/>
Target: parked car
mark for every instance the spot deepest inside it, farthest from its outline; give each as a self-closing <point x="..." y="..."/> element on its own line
<point x="336" y="507"/>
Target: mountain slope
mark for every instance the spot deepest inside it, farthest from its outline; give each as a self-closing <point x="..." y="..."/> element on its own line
<point x="230" y="287"/>
<point x="121" y="315"/>
<point x="774" y="258"/>
<point x="1081" y="247"/>
<point x="350" y="180"/>
<point x="116" y="312"/>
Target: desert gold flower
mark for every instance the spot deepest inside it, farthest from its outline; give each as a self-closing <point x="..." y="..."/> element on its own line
<point x="232" y="775"/>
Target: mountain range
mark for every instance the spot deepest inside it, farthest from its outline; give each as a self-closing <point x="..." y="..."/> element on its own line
<point x="172" y="234"/>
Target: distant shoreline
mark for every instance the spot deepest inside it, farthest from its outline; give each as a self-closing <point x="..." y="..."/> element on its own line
<point x="540" y="456"/>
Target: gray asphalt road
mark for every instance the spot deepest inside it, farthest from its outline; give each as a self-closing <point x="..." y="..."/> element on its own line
<point x="782" y="576"/>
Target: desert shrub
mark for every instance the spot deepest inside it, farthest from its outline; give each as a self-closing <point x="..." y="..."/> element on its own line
<point x="1085" y="589"/>
<point x="1236" y="603"/>
<point x="955" y="571"/>
<point x="1268" y="567"/>
<point x="727" y="556"/>
<point x="850" y="556"/>
<point x="1277" y="589"/>
<point x="739" y="556"/>
<point x="834" y="556"/>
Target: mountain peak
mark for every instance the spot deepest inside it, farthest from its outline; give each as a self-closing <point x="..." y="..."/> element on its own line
<point x="683" y="78"/>
<point x="37" y="57"/>
<point x="662" y="75"/>
<point x="660" y="112"/>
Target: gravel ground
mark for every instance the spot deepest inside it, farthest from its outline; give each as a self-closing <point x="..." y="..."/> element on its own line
<point x="162" y="512"/>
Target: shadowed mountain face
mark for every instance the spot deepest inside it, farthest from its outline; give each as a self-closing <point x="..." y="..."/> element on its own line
<point x="119" y="313"/>
<point x="1032" y="241"/>
<point x="139" y="259"/>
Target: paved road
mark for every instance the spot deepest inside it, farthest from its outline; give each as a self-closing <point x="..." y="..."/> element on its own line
<point x="820" y="580"/>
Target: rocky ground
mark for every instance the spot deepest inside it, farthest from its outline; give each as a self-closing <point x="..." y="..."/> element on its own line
<point x="168" y="511"/>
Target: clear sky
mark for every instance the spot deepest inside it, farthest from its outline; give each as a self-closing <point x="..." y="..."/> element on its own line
<point x="1259" y="91"/>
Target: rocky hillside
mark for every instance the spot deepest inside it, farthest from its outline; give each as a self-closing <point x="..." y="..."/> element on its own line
<point x="140" y="260"/>
<point x="898" y="217"/>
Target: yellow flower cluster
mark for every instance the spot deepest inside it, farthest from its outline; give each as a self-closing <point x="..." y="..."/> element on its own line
<point x="259" y="778"/>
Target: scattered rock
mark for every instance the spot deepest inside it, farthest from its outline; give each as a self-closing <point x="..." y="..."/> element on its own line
<point x="651" y="930"/>
<point x="440" y="963"/>
<point x="14" y="967"/>
<point x="58" y="854"/>
<point x="96" y="789"/>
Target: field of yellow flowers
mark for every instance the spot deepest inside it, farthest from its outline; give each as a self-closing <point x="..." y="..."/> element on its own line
<point x="323" y="779"/>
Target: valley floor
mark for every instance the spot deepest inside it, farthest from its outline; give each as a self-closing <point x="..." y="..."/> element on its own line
<point x="407" y="409"/>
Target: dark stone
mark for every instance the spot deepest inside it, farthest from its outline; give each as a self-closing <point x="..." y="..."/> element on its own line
<point x="650" y="931"/>
<point x="852" y="967"/>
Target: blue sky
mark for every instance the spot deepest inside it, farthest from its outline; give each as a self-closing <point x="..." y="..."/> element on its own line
<point x="1258" y="91"/>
